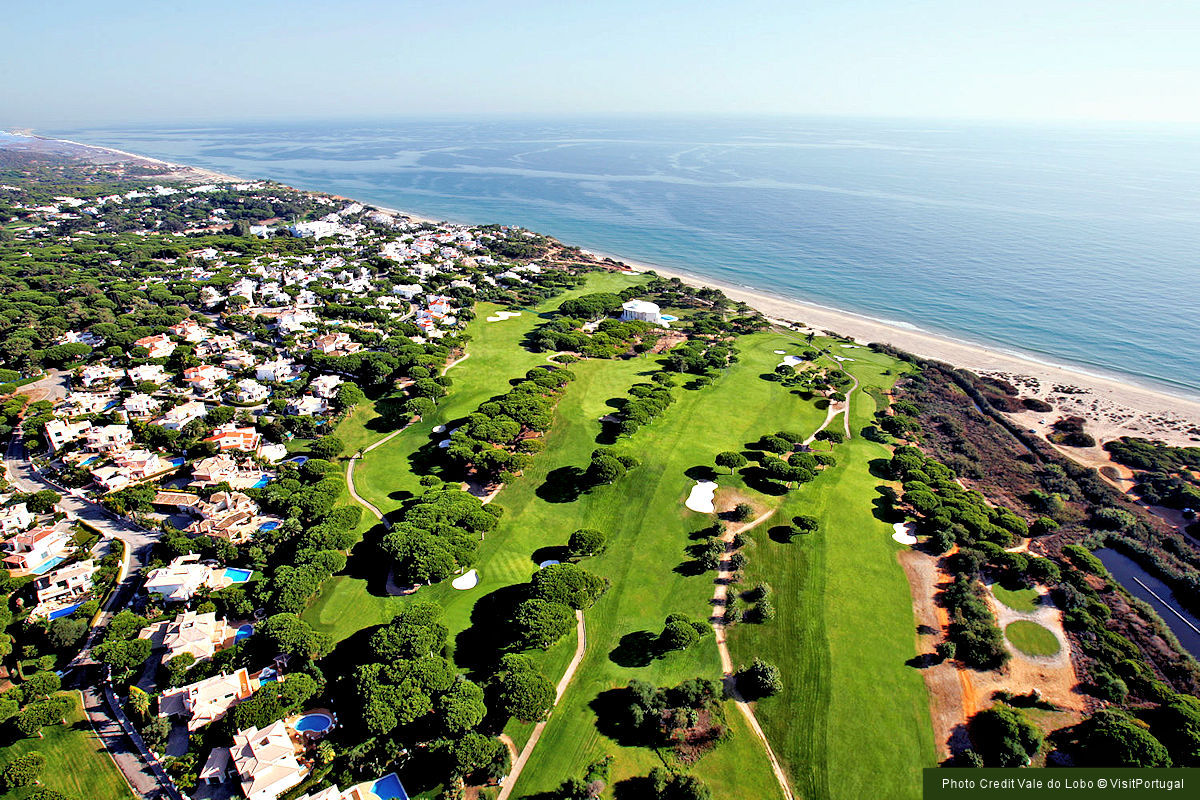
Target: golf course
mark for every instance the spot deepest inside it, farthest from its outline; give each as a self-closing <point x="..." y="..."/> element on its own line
<point x="850" y="706"/>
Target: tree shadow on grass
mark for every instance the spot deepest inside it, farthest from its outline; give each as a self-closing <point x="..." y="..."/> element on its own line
<point x="637" y="649"/>
<point x="400" y="496"/>
<point x="636" y="788"/>
<point x="609" y="432"/>
<point x="780" y="534"/>
<point x="478" y="648"/>
<point x="613" y="720"/>
<point x="563" y="485"/>
<point x="756" y="478"/>
<point x="551" y="553"/>
<point x="364" y="562"/>
<point x="880" y="468"/>
<point x="701" y="472"/>
<point x="689" y="569"/>
<point x="883" y="511"/>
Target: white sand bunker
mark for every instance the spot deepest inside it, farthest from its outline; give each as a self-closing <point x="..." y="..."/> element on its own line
<point x="548" y="563"/>
<point x="849" y="347"/>
<point x="904" y="533"/>
<point x="701" y="498"/>
<point x="791" y="361"/>
<point x="439" y="428"/>
<point x="444" y="443"/>
<point x="780" y="352"/>
<point x="500" y="316"/>
<point x="842" y="358"/>
<point x="468" y="580"/>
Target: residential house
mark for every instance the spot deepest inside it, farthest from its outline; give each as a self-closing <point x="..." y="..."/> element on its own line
<point x="107" y="438"/>
<point x="278" y="371"/>
<point x="33" y="549"/>
<point x="336" y="343"/>
<point x="244" y="287"/>
<point x="307" y="406"/>
<point x="210" y="297"/>
<point x="325" y="386"/>
<point x="189" y="331"/>
<point x="159" y="346"/>
<point x="250" y="391"/>
<point x="231" y="437"/>
<point x="129" y="467"/>
<point x="140" y="406"/>
<point x="239" y="360"/>
<point x="641" y="310"/>
<point x="147" y="372"/>
<point x="61" y="432"/>
<point x="79" y="403"/>
<point x="226" y="515"/>
<point x="295" y="320"/>
<point x="179" y="416"/>
<point x="265" y="761"/>
<point x="198" y="635"/>
<point x="215" y="469"/>
<point x="180" y="579"/>
<point x="204" y="378"/>
<point x="16" y="518"/>
<point x="63" y="585"/>
<point x="208" y="700"/>
<point x="97" y="374"/>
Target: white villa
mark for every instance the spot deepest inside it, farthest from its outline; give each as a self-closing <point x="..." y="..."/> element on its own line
<point x="208" y="700"/>
<point x="180" y="579"/>
<point x="642" y="311"/>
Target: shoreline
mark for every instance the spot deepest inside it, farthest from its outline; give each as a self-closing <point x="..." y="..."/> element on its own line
<point x="1114" y="407"/>
<point x="1112" y="404"/>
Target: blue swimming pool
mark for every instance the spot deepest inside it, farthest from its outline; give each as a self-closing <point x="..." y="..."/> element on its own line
<point x="389" y="788"/>
<point x="89" y="460"/>
<point x="49" y="565"/>
<point x="243" y="632"/>
<point x="177" y="461"/>
<point x="261" y="482"/>
<point x="667" y="318"/>
<point x="238" y="575"/>
<point x="269" y="526"/>
<point x="62" y="612"/>
<point x="317" y="722"/>
<point x="299" y="461"/>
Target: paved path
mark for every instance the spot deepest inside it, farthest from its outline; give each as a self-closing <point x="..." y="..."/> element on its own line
<point x="510" y="782"/>
<point x="720" y="593"/>
<point x="137" y="773"/>
<point x="350" y="479"/>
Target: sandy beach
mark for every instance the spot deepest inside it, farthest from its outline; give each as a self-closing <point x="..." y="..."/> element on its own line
<point x="1113" y="408"/>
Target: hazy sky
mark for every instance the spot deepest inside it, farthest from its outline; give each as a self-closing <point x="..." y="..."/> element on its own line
<point x="110" y="61"/>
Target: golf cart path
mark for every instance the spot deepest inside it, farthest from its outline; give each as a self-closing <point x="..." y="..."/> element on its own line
<point x="580" y="646"/>
<point x="720" y="592"/>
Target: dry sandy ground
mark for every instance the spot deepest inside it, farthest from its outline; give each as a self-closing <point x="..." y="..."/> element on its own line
<point x="956" y="693"/>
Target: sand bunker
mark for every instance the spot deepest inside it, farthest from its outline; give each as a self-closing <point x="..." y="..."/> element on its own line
<point x="780" y="352"/>
<point x="468" y="580"/>
<point x="842" y="358"/>
<point x="548" y="562"/>
<point x="439" y="428"/>
<point x="444" y="443"/>
<point x="904" y="533"/>
<point x="500" y="316"/>
<point x="792" y="361"/>
<point x="701" y="498"/>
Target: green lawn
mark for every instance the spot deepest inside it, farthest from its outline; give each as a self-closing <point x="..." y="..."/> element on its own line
<point x="1022" y="599"/>
<point x="853" y="718"/>
<point x="76" y="762"/>
<point x="1031" y="638"/>
<point x="845" y="624"/>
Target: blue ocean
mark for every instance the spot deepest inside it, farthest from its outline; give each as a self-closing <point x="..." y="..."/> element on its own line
<point x="1075" y="245"/>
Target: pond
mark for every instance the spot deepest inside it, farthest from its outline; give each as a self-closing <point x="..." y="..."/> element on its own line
<point x="1144" y="586"/>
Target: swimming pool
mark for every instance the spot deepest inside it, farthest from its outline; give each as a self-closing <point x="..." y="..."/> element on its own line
<point x="89" y="460"/>
<point x="389" y="788"/>
<point x="243" y="632"/>
<point x="238" y="575"/>
<point x="269" y="526"/>
<point x="667" y="318"/>
<point x="49" y="565"/>
<point x="313" y="724"/>
<point x="299" y="461"/>
<point x="261" y="482"/>
<point x="177" y="461"/>
<point x="62" y="612"/>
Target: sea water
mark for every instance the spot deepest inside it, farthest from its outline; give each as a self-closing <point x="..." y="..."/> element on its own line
<point x="1077" y="245"/>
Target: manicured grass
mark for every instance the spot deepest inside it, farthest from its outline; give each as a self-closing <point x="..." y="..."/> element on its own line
<point x="1023" y="599"/>
<point x="853" y="718"/>
<point x="1031" y="638"/>
<point x="76" y="762"/>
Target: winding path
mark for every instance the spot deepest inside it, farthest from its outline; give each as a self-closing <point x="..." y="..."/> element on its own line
<point x="510" y="782"/>
<point x="367" y="504"/>
<point x="720" y="594"/>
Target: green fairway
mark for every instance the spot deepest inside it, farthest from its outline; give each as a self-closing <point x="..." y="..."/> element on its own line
<point x="845" y="624"/>
<point x="853" y="718"/>
<point x="76" y="762"/>
<point x="1031" y="638"/>
<point x="1022" y="599"/>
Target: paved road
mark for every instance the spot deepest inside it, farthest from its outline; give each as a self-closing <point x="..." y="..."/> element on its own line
<point x="137" y="772"/>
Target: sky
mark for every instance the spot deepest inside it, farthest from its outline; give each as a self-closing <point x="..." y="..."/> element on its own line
<point x="79" y="62"/>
